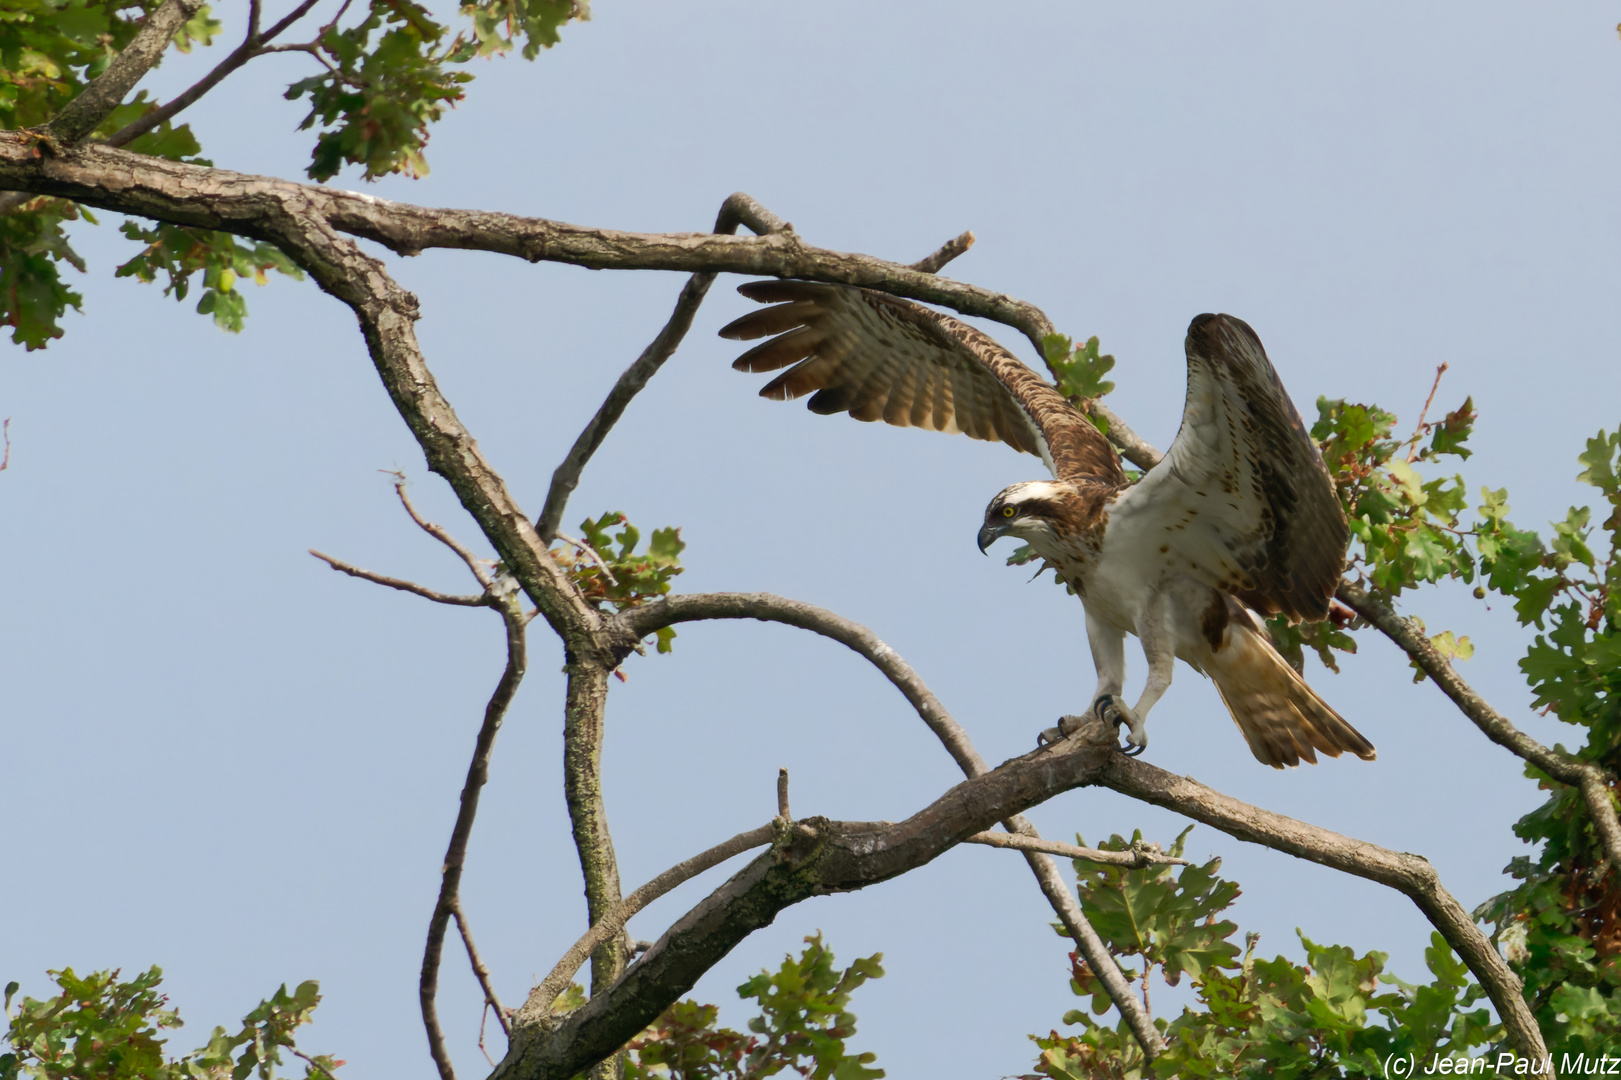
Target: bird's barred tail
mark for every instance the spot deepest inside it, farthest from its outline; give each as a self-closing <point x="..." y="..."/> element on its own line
<point x="1282" y="718"/>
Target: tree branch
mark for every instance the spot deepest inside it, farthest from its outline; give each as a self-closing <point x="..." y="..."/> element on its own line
<point x="107" y="91"/>
<point x="582" y="787"/>
<point x="732" y="214"/>
<point x="1411" y="875"/>
<point x="1593" y="782"/>
<point x="411" y="587"/>
<point x="935" y="261"/>
<point x="1136" y="858"/>
<point x="543" y="995"/>
<point x="764" y="606"/>
<point x="481" y="972"/>
<point x="813" y="857"/>
<point x="252" y="45"/>
<point x="449" y="901"/>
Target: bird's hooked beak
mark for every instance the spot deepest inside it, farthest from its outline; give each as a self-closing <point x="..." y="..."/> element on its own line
<point x="989" y="533"/>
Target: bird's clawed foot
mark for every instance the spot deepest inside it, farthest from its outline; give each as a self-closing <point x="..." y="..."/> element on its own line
<point x="1118" y="713"/>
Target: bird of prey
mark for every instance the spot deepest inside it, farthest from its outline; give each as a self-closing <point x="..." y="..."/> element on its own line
<point x="1238" y="520"/>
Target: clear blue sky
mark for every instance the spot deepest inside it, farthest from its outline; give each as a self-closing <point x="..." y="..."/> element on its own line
<point x="221" y="757"/>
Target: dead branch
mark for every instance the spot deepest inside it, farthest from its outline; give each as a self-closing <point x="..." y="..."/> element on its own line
<point x="547" y="991"/>
<point x="1137" y="858"/>
<point x="812" y="857"/>
<point x="766" y="607"/>
<point x="474" y="564"/>
<point x="481" y="600"/>
<point x="934" y="262"/>
<point x="782" y="796"/>
<point x="637" y="376"/>
<point x="481" y="971"/>
<point x="449" y="901"/>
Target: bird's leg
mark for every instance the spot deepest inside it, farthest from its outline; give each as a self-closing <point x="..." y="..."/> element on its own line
<point x="1154" y="631"/>
<point x="1109" y="657"/>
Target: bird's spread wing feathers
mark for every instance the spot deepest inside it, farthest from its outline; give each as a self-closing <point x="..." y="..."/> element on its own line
<point x="1242" y="499"/>
<point x="877" y="357"/>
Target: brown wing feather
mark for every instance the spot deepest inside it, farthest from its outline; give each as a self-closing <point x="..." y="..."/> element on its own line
<point x="877" y="357"/>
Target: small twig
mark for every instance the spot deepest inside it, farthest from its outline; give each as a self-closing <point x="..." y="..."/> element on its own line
<point x="1136" y="858"/>
<point x="439" y="533"/>
<point x="590" y="553"/>
<point x="483" y="1015"/>
<point x="782" y="796"/>
<point x="316" y="1064"/>
<point x="5" y="433"/>
<point x="479" y="970"/>
<point x="448" y="903"/>
<point x="401" y="584"/>
<point x="610" y="925"/>
<point x="931" y="264"/>
<point x="1418" y="429"/>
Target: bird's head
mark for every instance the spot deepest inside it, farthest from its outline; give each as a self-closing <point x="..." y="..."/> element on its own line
<point x="1024" y="510"/>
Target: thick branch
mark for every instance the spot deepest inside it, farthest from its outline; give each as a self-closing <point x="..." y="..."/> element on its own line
<point x="936" y="260"/>
<point x="542" y="996"/>
<point x="113" y="179"/>
<point x="814" y="857"/>
<point x="107" y="91"/>
<point x="478" y="772"/>
<point x="1411" y="875"/>
<point x="1593" y="782"/>
<point x="582" y="786"/>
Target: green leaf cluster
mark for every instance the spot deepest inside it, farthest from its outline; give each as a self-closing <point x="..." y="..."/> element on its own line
<point x="614" y="572"/>
<point x="1408" y="527"/>
<point x="178" y="252"/>
<point x="1338" y="1014"/>
<point x="33" y="296"/>
<point x="1078" y="370"/>
<point x="1560" y="927"/>
<point x="803" y="1024"/>
<point x="498" y="24"/>
<point x="376" y="98"/>
<point x="101" y="1028"/>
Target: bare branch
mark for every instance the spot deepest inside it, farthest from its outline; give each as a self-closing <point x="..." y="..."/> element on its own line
<point x="668" y="610"/>
<point x="782" y="796"/>
<point x="1411" y="875"/>
<point x="934" y="262"/>
<point x="813" y="856"/>
<point x="1593" y="782"/>
<point x="404" y="586"/>
<point x="481" y="971"/>
<point x="441" y="534"/>
<point x="764" y="606"/>
<point x="549" y="988"/>
<point x="107" y="91"/>
<point x="449" y="902"/>
<point x="1137" y="858"/>
<point x="738" y="209"/>
<point x="253" y="45"/>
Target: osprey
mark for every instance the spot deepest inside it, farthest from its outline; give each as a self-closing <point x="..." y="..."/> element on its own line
<point x="1239" y="520"/>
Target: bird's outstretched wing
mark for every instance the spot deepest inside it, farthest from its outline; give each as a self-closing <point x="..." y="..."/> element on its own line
<point x="877" y="357"/>
<point x="1242" y="498"/>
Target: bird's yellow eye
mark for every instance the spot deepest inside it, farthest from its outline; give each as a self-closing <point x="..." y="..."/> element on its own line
<point x="1007" y="511"/>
